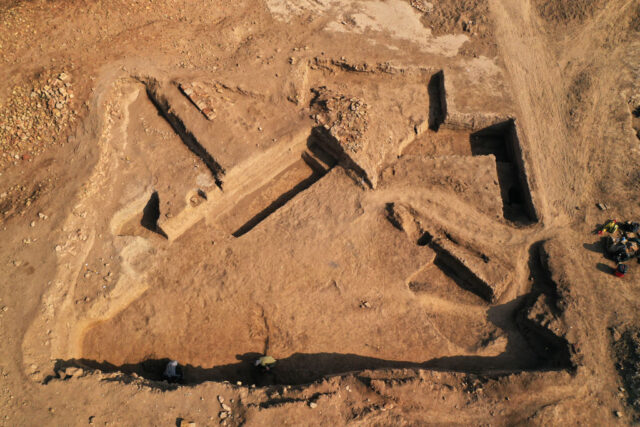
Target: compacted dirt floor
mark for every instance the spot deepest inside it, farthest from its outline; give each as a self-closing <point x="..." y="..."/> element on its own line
<point x="395" y="199"/>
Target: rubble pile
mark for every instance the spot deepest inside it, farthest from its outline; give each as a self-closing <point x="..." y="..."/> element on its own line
<point x="35" y="116"/>
<point x="346" y="118"/>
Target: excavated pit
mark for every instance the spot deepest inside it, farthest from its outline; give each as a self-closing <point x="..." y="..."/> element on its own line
<point x="531" y="346"/>
<point x="295" y="258"/>
<point x="500" y="141"/>
<point x="503" y="141"/>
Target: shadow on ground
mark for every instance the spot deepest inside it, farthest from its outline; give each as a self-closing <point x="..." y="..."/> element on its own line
<point x="530" y="347"/>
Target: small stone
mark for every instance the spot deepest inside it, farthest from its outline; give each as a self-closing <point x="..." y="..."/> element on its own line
<point x="313" y="405"/>
<point x="42" y="216"/>
<point x="226" y="407"/>
<point x="223" y="415"/>
<point x="220" y="399"/>
<point x="58" y="248"/>
<point x="239" y="383"/>
<point x="618" y="414"/>
<point x="5" y="308"/>
<point x="33" y="224"/>
<point x="73" y="372"/>
<point x="601" y="206"/>
<point x="63" y="77"/>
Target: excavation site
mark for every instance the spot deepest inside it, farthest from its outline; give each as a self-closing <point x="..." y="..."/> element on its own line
<point x="372" y="212"/>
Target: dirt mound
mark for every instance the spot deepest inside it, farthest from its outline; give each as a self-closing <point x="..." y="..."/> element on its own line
<point x="626" y="346"/>
<point x="461" y="16"/>
<point x="566" y="11"/>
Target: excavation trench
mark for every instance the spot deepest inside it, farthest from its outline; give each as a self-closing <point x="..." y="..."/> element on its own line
<point x="214" y="318"/>
<point x="501" y="141"/>
<point x="263" y="202"/>
<point x="164" y="109"/>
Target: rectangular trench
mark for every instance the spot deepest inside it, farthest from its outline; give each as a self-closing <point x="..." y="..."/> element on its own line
<point x="503" y="141"/>
<point x="259" y="204"/>
<point x="164" y="109"/>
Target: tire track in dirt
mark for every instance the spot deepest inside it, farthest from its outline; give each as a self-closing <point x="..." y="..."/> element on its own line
<point x="587" y="56"/>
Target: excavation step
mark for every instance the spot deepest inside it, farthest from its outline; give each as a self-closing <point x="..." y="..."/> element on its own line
<point x="264" y="201"/>
<point x="257" y="187"/>
<point x="485" y="277"/>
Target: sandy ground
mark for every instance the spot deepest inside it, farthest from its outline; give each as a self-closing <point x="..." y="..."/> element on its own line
<point x="393" y="198"/>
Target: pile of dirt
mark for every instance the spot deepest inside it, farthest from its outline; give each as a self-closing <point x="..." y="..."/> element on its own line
<point x="35" y="116"/>
<point x="566" y="11"/>
<point x="344" y="117"/>
<point x="470" y="17"/>
<point x="626" y="347"/>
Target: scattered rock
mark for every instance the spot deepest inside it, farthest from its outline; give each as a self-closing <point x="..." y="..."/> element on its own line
<point x="601" y="206"/>
<point x="220" y="399"/>
<point x="223" y="415"/>
<point x="225" y="407"/>
<point x="313" y="405"/>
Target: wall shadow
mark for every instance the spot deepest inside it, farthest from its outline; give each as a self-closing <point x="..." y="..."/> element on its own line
<point x="151" y="214"/>
<point x="435" y="89"/>
<point x="554" y="350"/>
<point x="530" y="347"/>
<point x="297" y="369"/>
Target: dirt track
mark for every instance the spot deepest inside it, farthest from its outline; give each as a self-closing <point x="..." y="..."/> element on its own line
<point x="393" y="198"/>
